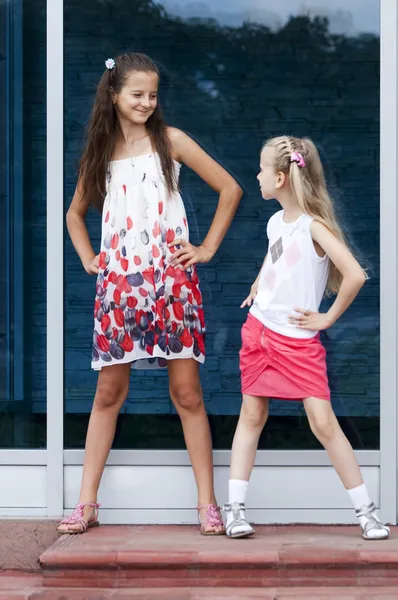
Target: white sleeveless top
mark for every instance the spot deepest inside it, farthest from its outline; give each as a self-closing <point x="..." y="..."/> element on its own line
<point x="293" y="276"/>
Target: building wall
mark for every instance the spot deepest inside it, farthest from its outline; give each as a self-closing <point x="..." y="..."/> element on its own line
<point x="230" y="88"/>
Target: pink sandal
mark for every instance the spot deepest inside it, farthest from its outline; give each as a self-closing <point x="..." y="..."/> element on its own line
<point x="76" y="518"/>
<point x="213" y="518"/>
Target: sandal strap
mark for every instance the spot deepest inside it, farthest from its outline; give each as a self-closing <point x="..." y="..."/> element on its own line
<point x="213" y="516"/>
<point x="234" y="506"/>
<point x="77" y="515"/>
<point x="238" y="523"/>
<point x="366" y="511"/>
<point x="237" y="508"/>
<point x="373" y="522"/>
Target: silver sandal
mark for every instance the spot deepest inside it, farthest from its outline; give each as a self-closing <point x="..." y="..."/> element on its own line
<point x="373" y="522"/>
<point x="239" y="527"/>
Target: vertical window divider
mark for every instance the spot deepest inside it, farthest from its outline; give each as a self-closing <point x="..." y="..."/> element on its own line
<point x="55" y="257"/>
<point x="388" y="259"/>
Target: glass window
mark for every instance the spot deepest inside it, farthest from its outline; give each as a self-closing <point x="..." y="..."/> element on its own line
<point x="238" y="72"/>
<point x="23" y="224"/>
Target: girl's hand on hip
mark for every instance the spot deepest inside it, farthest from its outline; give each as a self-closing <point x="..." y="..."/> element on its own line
<point x="307" y="319"/>
<point x="189" y="254"/>
<point x="253" y="293"/>
<point x="92" y="266"/>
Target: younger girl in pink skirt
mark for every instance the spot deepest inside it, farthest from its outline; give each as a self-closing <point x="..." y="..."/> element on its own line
<point x="282" y="356"/>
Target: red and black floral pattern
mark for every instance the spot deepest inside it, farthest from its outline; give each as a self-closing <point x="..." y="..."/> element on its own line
<point x="146" y="310"/>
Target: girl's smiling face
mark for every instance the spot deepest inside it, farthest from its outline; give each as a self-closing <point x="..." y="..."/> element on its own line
<point x="138" y="97"/>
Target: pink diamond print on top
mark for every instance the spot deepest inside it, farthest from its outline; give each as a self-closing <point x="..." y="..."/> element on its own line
<point x="270" y="279"/>
<point x="292" y="255"/>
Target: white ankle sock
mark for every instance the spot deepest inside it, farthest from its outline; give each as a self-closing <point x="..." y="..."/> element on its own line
<point x="237" y="490"/>
<point x="359" y="496"/>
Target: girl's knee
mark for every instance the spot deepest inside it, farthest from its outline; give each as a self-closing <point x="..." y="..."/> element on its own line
<point x="110" y="395"/>
<point x="321" y="418"/>
<point x="186" y="397"/>
<point x="324" y="426"/>
<point x="254" y="412"/>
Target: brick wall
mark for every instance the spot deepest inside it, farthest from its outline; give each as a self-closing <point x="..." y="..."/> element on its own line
<point x="3" y="202"/>
<point x="35" y="214"/>
<point x="33" y="171"/>
<point x="230" y="89"/>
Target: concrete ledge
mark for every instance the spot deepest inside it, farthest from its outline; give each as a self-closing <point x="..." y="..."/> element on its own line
<point x="23" y="541"/>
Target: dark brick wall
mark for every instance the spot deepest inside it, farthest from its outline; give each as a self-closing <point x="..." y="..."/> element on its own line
<point x="35" y="214"/>
<point x="17" y="419"/>
<point x="230" y="89"/>
<point x="3" y="200"/>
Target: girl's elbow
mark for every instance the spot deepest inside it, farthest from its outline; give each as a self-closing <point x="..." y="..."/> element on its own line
<point x="236" y="190"/>
<point x="68" y="218"/>
<point x="355" y="280"/>
<point x="72" y="218"/>
<point x="360" y="279"/>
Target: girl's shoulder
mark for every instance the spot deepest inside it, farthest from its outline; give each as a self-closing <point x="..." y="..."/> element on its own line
<point x="306" y="220"/>
<point x="178" y="140"/>
<point x="174" y="134"/>
<point x="274" y="221"/>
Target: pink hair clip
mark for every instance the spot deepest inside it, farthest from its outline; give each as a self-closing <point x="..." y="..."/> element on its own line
<point x="298" y="158"/>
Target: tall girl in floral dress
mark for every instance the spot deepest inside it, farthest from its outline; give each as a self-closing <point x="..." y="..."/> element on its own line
<point x="148" y="310"/>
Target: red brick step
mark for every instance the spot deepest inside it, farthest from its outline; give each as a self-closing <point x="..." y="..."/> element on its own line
<point x="127" y="557"/>
<point x="313" y="593"/>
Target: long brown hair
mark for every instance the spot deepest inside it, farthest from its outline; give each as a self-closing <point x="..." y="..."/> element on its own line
<point x="308" y="186"/>
<point x="103" y="125"/>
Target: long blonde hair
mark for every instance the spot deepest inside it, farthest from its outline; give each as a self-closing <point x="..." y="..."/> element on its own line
<point x="308" y="186"/>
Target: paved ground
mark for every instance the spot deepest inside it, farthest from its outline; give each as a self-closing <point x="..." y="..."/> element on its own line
<point x="23" y="540"/>
<point x="26" y="587"/>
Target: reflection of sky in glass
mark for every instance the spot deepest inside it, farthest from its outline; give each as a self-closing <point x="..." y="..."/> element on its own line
<point x="346" y="16"/>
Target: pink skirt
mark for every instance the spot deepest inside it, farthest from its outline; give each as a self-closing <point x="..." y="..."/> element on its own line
<point x="277" y="366"/>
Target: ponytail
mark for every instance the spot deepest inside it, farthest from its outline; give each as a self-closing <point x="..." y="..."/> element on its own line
<point x="308" y="186"/>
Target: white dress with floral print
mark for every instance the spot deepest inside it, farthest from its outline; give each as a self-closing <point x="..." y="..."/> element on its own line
<point x="146" y="311"/>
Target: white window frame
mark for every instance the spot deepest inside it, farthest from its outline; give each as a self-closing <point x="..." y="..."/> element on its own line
<point x="55" y="458"/>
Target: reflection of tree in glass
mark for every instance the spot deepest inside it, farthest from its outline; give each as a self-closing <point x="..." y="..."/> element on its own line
<point x="234" y="86"/>
<point x="240" y="82"/>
